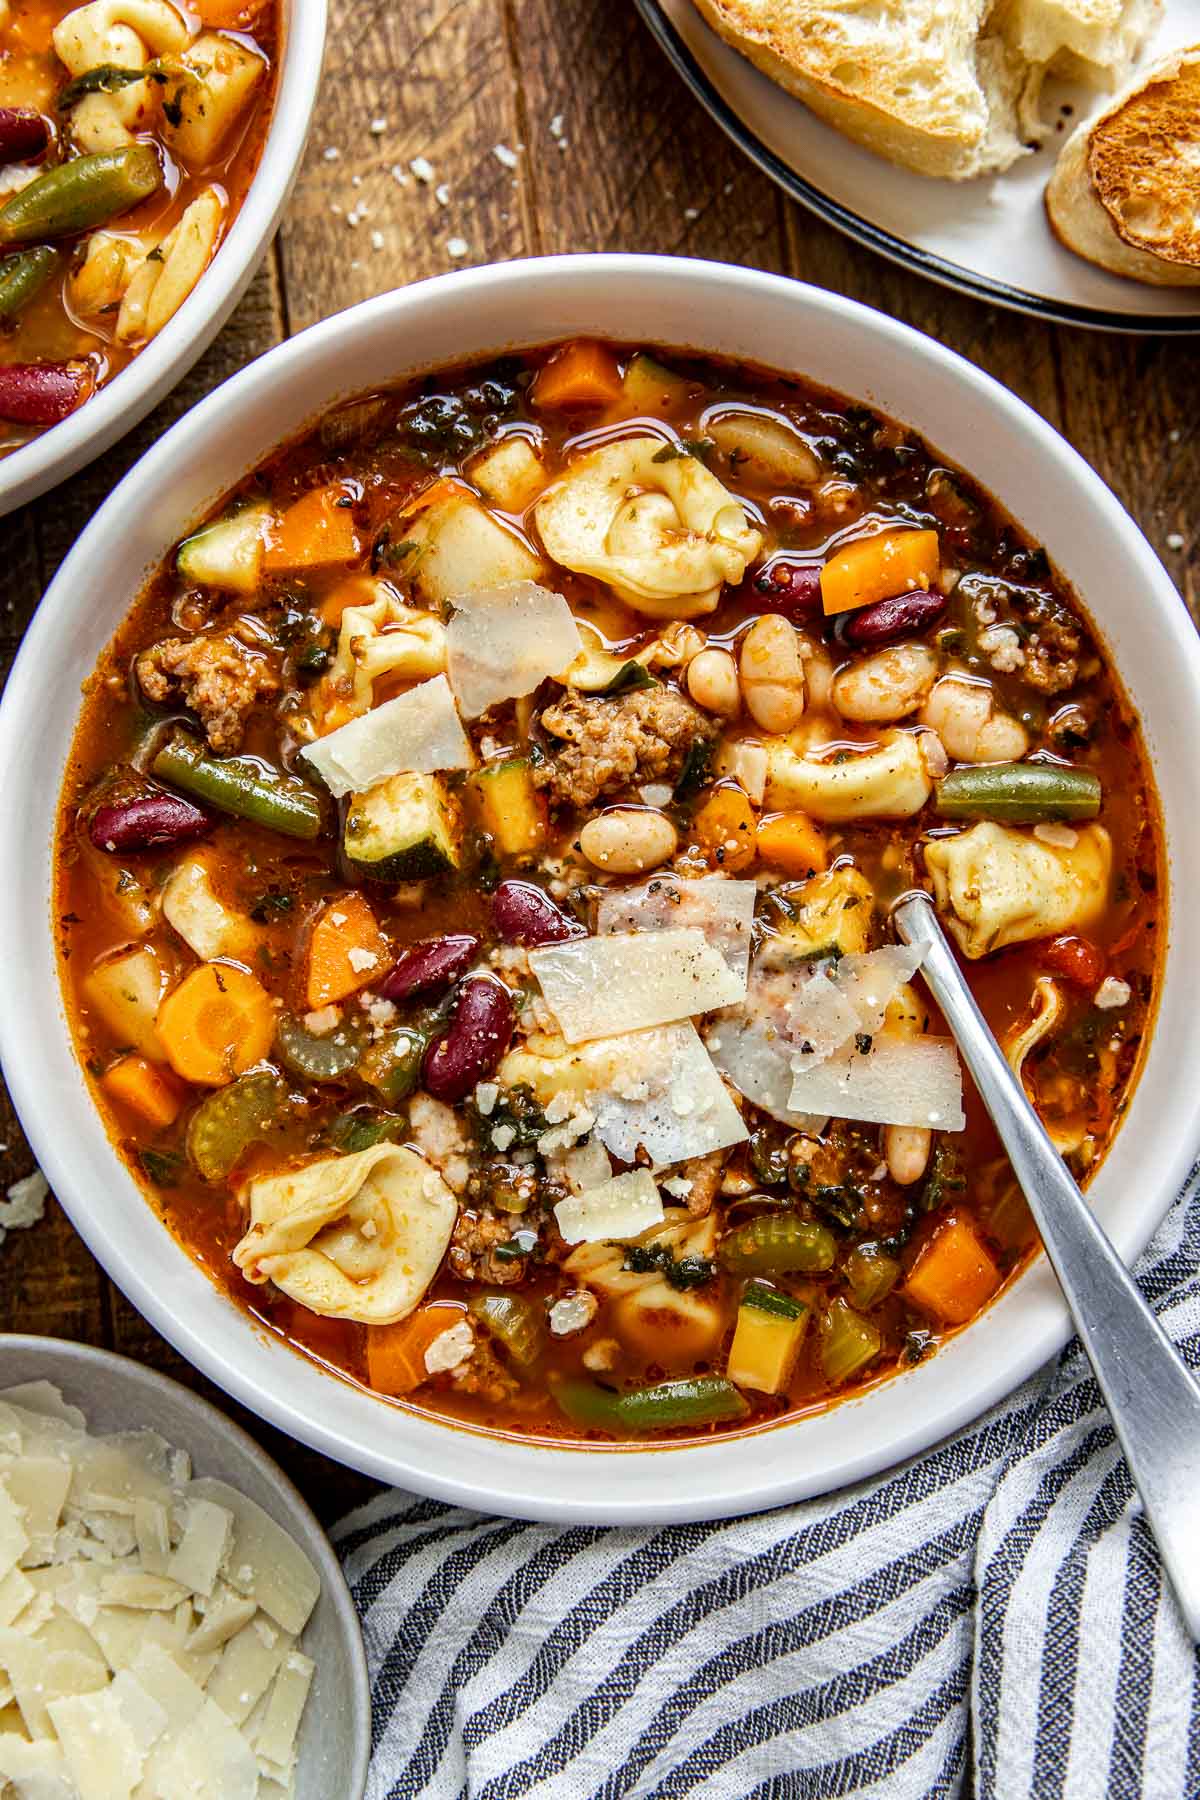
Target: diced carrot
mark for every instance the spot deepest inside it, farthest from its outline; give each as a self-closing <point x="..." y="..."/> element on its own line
<point x="216" y="1024"/>
<point x="792" y="843"/>
<point x="874" y="568"/>
<point x="954" y="1274"/>
<point x="724" y="827"/>
<point x="579" y="375"/>
<point x="346" y="951"/>
<point x="145" y="1090"/>
<point x="396" y="1353"/>
<point x="315" y="532"/>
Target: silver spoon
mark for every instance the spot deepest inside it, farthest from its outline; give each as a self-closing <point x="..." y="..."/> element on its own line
<point x="1152" y="1399"/>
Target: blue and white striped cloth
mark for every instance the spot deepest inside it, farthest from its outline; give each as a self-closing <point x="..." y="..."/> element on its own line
<point x="990" y="1618"/>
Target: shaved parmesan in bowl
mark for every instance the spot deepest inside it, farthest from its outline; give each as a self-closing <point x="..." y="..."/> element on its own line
<point x="757" y="1058"/>
<point x="149" y="1622"/>
<point x="417" y="733"/>
<point x="722" y="910"/>
<point x="502" y="642"/>
<point x="616" y="1210"/>
<point x="597" y="986"/>
<point x="898" y="1081"/>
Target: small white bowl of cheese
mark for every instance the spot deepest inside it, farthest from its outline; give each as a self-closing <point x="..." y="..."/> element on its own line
<point x="173" y="1621"/>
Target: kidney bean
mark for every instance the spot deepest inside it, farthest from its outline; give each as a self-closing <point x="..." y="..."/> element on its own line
<point x="893" y="618"/>
<point x="147" y="822"/>
<point x="788" y="587"/>
<point x="40" y="393"/>
<point x="478" y="1035"/>
<point x="432" y="964"/>
<point x="524" y="914"/>
<point x="23" y="134"/>
<point x="1075" y="959"/>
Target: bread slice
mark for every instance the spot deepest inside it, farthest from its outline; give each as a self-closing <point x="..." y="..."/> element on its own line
<point x="945" y="87"/>
<point x="907" y="78"/>
<point x="1125" y="192"/>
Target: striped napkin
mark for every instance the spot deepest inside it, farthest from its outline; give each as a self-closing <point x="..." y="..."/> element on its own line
<point x="990" y="1618"/>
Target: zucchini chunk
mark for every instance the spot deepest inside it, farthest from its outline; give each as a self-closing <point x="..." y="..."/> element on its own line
<point x="228" y="553"/>
<point x="510" y="808"/>
<point x="766" y="1341"/>
<point x="403" y="829"/>
<point x="651" y="388"/>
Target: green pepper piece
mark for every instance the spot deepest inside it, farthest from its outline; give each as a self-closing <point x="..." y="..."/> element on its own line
<point x="1018" y="793"/>
<point x="848" y="1342"/>
<point x="775" y="1243"/>
<point x="515" y="1322"/>
<point x="74" y="196"/>
<point x="392" y="1065"/>
<point x="24" y="275"/>
<point x="314" y="1057"/>
<point x="228" y="1121"/>
<point x="692" y="1400"/>
<point x="236" y="785"/>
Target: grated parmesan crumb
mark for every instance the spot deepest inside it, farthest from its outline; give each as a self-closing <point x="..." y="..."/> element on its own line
<point x="422" y="168"/>
<point x="323" y="1021"/>
<point x="502" y="1137"/>
<point x="1111" y="993"/>
<point x="441" y="193"/>
<point x="361" y="960"/>
<point x="486" y="1095"/>
<point x="24" y="1204"/>
<point x="331" y="153"/>
<point x="457" y="248"/>
<point x="378" y="127"/>
<point x="1174" y="540"/>
<point x="450" y="1348"/>
<point x="504" y="155"/>
<point x="574" y="1312"/>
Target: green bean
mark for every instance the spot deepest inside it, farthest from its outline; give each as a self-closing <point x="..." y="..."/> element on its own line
<point x="24" y="275"/>
<point x="392" y="1065"/>
<point x="871" y="1274"/>
<point x="1018" y="793"/>
<point x="316" y="1057"/>
<point x="228" y="1121"/>
<point x="74" y="196"/>
<point x="848" y="1342"/>
<point x="239" y="786"/>
<point x="515" y="1322"/>
<point x="692" y="1400"/>
<point x="775" y="1243"/>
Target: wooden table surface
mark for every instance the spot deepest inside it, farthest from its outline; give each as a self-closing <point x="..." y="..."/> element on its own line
<point x="612" y="154"/>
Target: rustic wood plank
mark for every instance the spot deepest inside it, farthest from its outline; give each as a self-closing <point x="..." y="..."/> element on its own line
<point x="429" y="84"/>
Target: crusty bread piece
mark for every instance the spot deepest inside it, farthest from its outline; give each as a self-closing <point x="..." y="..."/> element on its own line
<point x="1125" y="192"/>
<point x="945" y="87"/>
<point x="904" y="77"/>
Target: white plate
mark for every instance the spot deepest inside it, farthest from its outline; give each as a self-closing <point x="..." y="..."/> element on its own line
<point x="988" y="237"/>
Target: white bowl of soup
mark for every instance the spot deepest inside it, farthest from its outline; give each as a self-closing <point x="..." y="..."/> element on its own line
<point x="148" y="151"/>
<point x="469" y="1027"/>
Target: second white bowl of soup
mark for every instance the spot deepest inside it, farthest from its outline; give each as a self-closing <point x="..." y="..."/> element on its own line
<point x="731" y="586"/>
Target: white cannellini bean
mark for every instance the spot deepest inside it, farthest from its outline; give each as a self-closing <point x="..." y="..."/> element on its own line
<point x="886" y="686"/>
<point x="906" y="1149"/>
<point x="628" y="840"/>
<point x="772" y="674"/>
<point x="712" y="681"/>
<point x="966" y="717"/>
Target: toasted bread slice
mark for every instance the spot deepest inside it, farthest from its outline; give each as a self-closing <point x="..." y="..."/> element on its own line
<point x="910" y="79"/>
<point x="1126" y="189"/>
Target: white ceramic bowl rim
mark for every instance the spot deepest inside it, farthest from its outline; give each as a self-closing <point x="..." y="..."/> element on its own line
<point x="732" y="311"/>
<point x="117" y="407"/>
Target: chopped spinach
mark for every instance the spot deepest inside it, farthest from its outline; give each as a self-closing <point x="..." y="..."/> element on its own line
<point x="681" y="1273"/>
<point x="162" y="1167"/>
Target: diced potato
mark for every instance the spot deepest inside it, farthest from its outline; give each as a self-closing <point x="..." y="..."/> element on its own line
<point x="208" y="101"/>
<point x="206" y="925"/>
<point x="458" y="547"/>
<point x="509" y="474"/>
<point x="126" y="991"/>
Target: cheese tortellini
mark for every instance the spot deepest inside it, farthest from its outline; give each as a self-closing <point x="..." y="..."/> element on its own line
<point x="996" y="885"/>
<point x="671" y="1327"/>
<point x="383" y="637"/>
<point x="662" y="532"/>
<point x="351" y="1237"/>
<point x="121" y="34"/>
<point x="890" y="781"/>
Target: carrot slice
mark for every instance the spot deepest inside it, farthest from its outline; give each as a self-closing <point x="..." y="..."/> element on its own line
<point x="346" y="951"/>
<point x="144" y="1089"/>
<point x="580" y="375"/>
<point x="724" y="827"/>
<point x="792" y="843"/>
<point x="216" y="1024"/>
<point x="954" y="1274"/>
<point x="874" y="568"/>
<point x="396" y="1353"/>
<point x="315" y="532"/>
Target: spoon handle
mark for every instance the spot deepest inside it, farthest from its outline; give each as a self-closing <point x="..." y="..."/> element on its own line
<point x="1153" y="1400"/>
